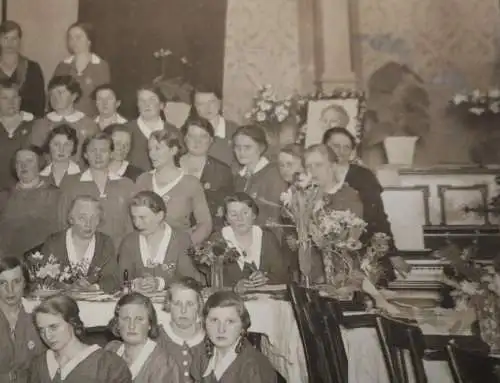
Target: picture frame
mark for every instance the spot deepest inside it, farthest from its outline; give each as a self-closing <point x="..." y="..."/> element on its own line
<point x="455" y="201"/>
<point x="340" y="108"/>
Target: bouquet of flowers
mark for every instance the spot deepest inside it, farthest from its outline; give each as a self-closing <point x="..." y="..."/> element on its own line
<point x="376" y="250"/>
<point x="476" y="286"/>
<point x="46" y="272"/>
<point x="300" y="202"/>
<point x="214" y="254"/>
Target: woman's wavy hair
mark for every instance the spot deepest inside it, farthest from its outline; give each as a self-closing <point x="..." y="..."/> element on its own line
<point x="342" y="131"/>
<point x="324" y="150"/>
<point x="186" y="283"/>
<point x="65" y="307"/>
<point x="254" y="132"/>
<point x="42" y="162"/>
<point x="87" y="28"/>
<point x="200" y="123"/>
<point x="10" y="263"/>
<point x="227" y="299"/>
<point x="68" y="82"/>
<point x="62" y="130"/>
<point x="243" y="198"/>
<point x="149" y="199"/>
<point x="137" y="299"/>
<point x="173" y="139"/>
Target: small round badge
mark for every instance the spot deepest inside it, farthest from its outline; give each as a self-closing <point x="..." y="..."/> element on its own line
<point x="207" y="185"/>
<point x="31" y="345"/>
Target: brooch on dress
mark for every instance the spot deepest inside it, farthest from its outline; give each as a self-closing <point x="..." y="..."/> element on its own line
<point x="207" y="185"/>
<point x="31" y="345"/>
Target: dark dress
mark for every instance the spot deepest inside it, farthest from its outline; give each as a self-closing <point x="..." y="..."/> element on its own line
<point x="222" y="148"/>
<point x="132" y="172"/>
<point x="18" y="348"/>
<point x="272" y="262"/>
<point x="217" y="181"/>
<point x="250" y="366"/>
<point x="29" y="77"/>
<point x="100" y="366"/>
<point x="103" y="269"/>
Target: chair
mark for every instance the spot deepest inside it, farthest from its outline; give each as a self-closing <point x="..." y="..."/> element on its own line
<point x="471" y="366"/>
<point x="309" y="322"/>
<point x="255" y="339"/>
<point x="397" y="338"/>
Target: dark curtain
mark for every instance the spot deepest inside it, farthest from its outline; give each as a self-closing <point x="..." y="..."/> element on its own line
<point x="128" y="32"/>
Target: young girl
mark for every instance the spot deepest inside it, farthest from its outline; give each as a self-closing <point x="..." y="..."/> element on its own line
<point x="182" y="335"/>
<point x="231" y="358"/>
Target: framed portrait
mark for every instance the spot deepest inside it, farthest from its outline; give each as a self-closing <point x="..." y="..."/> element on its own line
<point x="454" y="201"/>
<point x="342" y="109"/>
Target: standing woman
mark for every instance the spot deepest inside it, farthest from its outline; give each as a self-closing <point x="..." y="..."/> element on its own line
<point x="214" y="175"/>
<point x="16" y="68"/>
<point x="68" y="359"/>
<point x="18" y="336"/>
<point x="84" y="66"/>
<point x="150" y="103"/>
<point x="61" y="145"/>
<point x="258" y="177"/>
<point x="182" y="193"/>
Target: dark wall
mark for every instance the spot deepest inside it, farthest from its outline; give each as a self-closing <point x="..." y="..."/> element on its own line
<point x="128" y="32"/>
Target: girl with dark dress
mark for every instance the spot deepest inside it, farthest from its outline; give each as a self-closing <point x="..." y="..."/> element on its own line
<point x="122" y="141"/>
<point x="61" y="145"/>
<point x="18" y="335"/>
<point x="182" y="334"/>
<point x="107" y="103"/>
<point x="68" y="359"/>
<point x="19" y="70"/>
<point x="214" y="175"/>
<point x="230" y="357"/>
<point x="15" y="130"/>
<point x="84" y="66"/>
<point x="136" y="324"/>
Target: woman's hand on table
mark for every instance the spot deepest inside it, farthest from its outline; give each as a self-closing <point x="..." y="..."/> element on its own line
<point x="256" y="279"/>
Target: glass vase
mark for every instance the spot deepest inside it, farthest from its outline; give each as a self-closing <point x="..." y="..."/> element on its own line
<point x="488" y="315"/>
<point x="217" y="275"/>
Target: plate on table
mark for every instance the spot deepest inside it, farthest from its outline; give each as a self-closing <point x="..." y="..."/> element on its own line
<point x="45" y="293"/>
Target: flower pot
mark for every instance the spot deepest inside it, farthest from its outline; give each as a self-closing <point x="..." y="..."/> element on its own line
<point x="400" y="150"/>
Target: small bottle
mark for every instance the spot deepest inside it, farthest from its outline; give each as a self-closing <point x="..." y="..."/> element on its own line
<point x="126" y="283"/>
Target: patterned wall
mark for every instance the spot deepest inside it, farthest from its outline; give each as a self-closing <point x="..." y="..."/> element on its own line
<point x="262" y="47"/>
<point x="450" y="44"/>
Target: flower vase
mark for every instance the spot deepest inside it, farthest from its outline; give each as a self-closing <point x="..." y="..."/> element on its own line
<point x="217" y="275"/>
<point x="305" y="264"/>
<point x="488" y="315"/>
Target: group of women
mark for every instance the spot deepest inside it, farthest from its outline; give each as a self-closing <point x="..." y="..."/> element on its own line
<point x="198" y="341"/>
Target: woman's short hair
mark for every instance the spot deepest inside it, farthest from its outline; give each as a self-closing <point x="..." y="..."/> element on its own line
<point x="108" y="86"/>
<point x="343" y="131"/>
<point x="62" y="130"/>
<point x="200" y="123"/>
<point x="295" y="150"/>
<point x="86" y="198"/>
<point x="67" y="308"/>
<point x="135" y="298"/>
<point x="69" y="82"/>
<point x="101" y="136"/>
<point x="204" y="88"/>
<point x="9" y="26"/>
<point x="154" y="89"/>
<point x="9" y="84"/>
<point x="173" y="139"/>
<point x="256" y="133"/>
<point x="228" y="299"/>
<point x="10" y="263"/>
<point x="324" y="150"/>
<point x="113" y="128"/>
<point x="87" y="28"/>
<point x="149" y="199"/>
<point x="244" y="198"/>
<point x="340" y="110"/>
<point x="42" y="162"/>
<point x="186" y="283"/>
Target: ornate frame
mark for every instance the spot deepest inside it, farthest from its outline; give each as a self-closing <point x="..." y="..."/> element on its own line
<point x="481" y="188"/>
<point x="425" y="197"/>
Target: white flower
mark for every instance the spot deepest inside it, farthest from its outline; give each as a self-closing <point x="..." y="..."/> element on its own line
<point x="261" y="116"/>
<point x="495" y="107"/>
<point x="304" y="180"/>
<point x="476" y="111"/>
<point x="459" y="98"/>
<point x="280" y="117"/>
<point x="494" y="93"/>
<point x="264" y="105"/>
<point x="248" y="115"/>
<point x="476" y="94"/>
<point x="469" y="288"/>
<point x="37" y="255"/>
<point x="286" y="198"/>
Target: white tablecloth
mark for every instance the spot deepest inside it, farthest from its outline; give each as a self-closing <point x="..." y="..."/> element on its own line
<point x="271" y="317"/>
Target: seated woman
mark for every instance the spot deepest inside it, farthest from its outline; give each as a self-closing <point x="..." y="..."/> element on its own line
<point x="15" y="128"/>
<point x="68" y="358"/>
<point x="258" y="177"/>
<point x="61" y="144"/>
<point x="182" y="335"/>
<point x="150" y="102"/>
<point x="18" y="336"/>
<point x="122" y="142"/>
<point x="28" y="211"/>
<point x="112" y="191"/>
<point x="214" y="175"/>
<point x="155" y="252"/>
<point x="64" y="92"/>
<point x="135" y="323"/>
<point x="83" y="248"/>
<point x="107" y="103"/>
<point x="261" y="260"/>
<point x="84" y="66"/>
<point x="182" y="193"/>
<point x="231" y="358"/>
